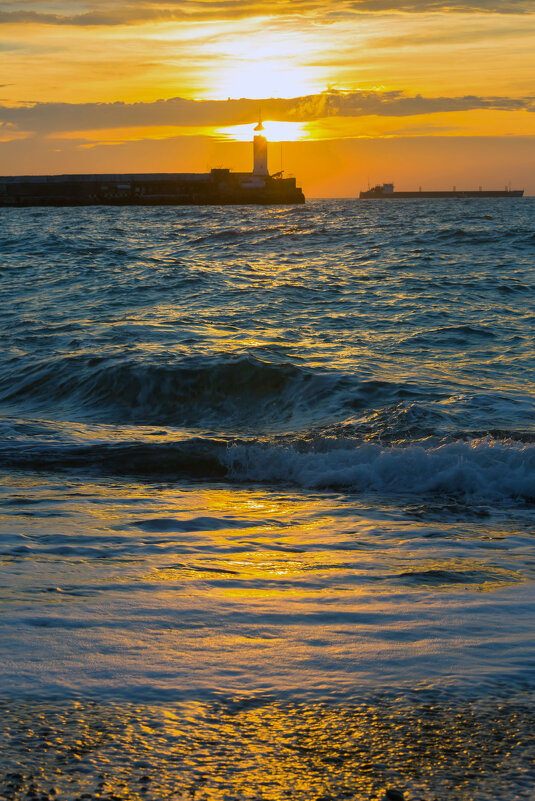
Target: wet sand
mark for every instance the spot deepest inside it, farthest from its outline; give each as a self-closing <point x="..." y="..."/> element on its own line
<point x="427" y="748"/>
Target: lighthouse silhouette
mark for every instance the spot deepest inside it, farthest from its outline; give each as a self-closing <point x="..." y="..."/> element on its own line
<point x="260" y="150"/>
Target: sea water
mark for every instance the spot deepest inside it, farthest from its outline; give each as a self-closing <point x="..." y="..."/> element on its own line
<point x="267" y="501"/>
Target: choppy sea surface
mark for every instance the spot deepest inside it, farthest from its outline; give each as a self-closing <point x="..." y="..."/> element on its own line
<point x="267" y="499"/>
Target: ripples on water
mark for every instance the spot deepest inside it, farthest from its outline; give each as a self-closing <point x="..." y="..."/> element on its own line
<point x="281" y="458"/>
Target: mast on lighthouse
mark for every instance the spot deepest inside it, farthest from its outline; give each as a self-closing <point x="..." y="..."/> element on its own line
<point x="260" y="150"/>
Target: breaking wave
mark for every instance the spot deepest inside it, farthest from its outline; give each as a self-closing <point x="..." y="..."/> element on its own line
<point x="476" y="470"/>
<point x="480" y="470"/>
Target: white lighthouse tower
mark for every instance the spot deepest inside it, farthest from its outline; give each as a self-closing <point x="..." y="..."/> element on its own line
<point x="260" y="151"/>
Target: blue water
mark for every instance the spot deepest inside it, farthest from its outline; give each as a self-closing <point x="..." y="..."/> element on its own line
<point x="279" y="453"/>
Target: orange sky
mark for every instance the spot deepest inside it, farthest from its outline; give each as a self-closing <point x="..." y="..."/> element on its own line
<point x="420" y="92"/>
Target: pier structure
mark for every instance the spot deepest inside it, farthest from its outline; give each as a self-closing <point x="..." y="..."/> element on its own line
<point x="218" y="187"/>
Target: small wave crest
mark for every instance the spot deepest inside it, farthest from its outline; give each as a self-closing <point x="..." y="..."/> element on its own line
<point x="195" y="458"/>
<point x="219" y="392"/>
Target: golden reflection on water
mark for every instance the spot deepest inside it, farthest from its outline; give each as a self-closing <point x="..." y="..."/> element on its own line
<point x="247" y="542"/>
<point x="242" y="589"/>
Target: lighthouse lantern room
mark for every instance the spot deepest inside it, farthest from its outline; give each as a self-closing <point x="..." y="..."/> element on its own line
<point x="260" y="151"/>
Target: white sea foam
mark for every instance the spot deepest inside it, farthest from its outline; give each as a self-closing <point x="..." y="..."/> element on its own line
<point x="481" y="469"/>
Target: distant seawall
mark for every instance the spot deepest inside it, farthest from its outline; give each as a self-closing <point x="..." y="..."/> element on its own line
<point x="218" y="187"/>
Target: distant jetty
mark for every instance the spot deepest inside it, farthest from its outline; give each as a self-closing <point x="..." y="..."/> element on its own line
<point x="218" y="187"/>
<point x="387" y="191"/>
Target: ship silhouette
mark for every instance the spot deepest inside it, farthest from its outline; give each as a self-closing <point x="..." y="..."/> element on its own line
<point x="387" y="191"/>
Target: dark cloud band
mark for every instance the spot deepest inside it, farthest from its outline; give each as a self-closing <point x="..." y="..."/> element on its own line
<point x="112" y="13"/>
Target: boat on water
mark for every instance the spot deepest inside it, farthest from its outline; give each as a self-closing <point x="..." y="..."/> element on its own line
<point x="387" y="191"/>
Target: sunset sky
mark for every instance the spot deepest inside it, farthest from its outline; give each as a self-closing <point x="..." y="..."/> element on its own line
<point x="422" y="92"/>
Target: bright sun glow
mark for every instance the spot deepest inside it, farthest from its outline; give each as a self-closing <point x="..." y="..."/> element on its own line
<point x="258" y="62"/>
<point x="274" y="131"/>
<point x="264" y="79"/>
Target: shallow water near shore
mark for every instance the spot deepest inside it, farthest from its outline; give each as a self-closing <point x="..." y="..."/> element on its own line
<point x="267" y="501"/>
